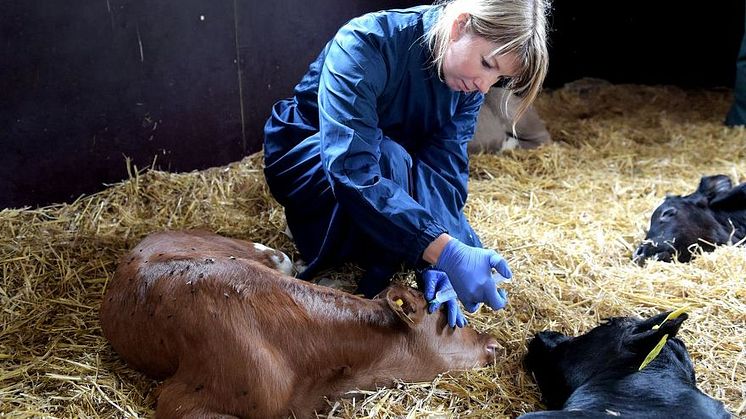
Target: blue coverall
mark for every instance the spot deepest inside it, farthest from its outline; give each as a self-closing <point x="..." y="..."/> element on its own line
<point x="369" y="156"/>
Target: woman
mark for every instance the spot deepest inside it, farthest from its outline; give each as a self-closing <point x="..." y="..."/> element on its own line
<point x="369" y="156"/>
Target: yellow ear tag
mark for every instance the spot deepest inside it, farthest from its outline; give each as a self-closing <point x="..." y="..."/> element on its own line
<point x="673" y="315"/>
<point x="399" y="302"/>
<point x="656" y="350"/>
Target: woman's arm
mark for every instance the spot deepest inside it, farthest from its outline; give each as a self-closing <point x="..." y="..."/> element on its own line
<point x="435" y="248"/>
<point x="353" y="77"/>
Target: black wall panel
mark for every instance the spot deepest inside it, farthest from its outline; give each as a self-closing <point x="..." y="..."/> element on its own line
<point x="86" y="83"/>
<point x="690" y="44"/>
<point x="188" y="84"/>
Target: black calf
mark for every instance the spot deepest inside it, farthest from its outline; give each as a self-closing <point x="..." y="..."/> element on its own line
<point x="715" y="214"/>
<point x="597" y="374"/>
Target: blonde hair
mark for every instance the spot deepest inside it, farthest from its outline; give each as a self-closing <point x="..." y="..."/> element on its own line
<point x="516" y="26"/>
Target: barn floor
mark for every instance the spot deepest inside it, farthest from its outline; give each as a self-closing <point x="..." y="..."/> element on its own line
<point x="567" y="218"/>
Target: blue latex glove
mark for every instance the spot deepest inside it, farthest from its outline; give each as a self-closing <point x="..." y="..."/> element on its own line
<point x="438" y="290"/>
<point x="470" y="272"/>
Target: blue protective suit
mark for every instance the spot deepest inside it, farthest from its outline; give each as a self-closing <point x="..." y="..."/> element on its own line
<point x="369" y="156"/>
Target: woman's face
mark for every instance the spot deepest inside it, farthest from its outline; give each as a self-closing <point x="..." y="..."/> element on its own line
<point x="468" y="65"/>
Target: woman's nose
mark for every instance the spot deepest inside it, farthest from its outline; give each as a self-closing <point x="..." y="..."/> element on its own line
<point x="483" y="85"/>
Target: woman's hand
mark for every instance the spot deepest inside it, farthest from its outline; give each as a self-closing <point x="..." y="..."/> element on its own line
<point x="470" y="271"/>
<point x="438" y="290"/>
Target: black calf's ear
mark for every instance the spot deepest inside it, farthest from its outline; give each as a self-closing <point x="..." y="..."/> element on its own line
<point x="710" y="186"/>
<point x="733" y="200"/>
<point x="650" y="332"/>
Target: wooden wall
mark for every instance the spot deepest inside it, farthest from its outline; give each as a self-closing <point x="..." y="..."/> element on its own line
<point x="188" y="84"/>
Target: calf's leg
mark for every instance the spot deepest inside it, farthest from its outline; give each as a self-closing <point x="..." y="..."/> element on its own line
<point x="178" y="400"/>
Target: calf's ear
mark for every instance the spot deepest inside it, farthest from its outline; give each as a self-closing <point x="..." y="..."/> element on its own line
<point x="650" y="332"/>
<point x="714" y="185"/>
<point x="406" y="305"/>
<point x="733" y="200"/>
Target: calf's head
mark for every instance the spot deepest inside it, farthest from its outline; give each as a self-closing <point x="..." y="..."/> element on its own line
<point x="560" y="364"/>
<point x="449" y="348"/>
<point x="681" y="223"/>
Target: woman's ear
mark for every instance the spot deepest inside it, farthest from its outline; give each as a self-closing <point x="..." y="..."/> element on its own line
<point x="459" y="26"/>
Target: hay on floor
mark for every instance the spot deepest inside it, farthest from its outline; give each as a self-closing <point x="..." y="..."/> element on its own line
<point x="566" y="216"/>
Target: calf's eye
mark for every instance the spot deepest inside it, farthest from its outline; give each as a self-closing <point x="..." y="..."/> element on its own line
<point x="668" y="213"/>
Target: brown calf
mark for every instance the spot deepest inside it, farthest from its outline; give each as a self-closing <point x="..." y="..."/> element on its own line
<point x="235" y="337"/>
<point x="494" y="133"/>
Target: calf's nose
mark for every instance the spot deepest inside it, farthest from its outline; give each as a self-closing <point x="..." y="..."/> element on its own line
<point x="491" y="349"/>
<point x="639" y="255"/>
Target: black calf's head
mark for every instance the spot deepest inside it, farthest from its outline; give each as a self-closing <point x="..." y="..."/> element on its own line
<point x="560" y="364"/>
<point x="681" y="222"/>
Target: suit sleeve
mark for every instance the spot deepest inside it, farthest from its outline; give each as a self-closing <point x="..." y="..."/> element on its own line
<point x="445" y="162"/>
<point x="353" y="77"/>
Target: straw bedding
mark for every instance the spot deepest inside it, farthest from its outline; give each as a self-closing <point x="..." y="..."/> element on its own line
<point x="566" y="216"/>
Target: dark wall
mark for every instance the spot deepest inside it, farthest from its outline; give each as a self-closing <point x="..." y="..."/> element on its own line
<point x="189" y="84"/>
<point x="91" y="82"/>
<point x="86" y="83"/>
<point x="690" y="44"/>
